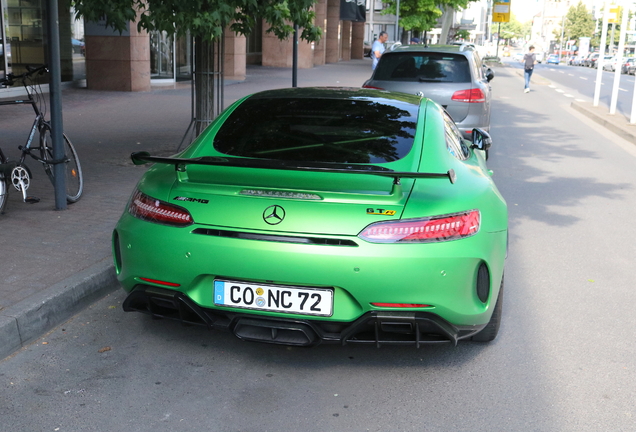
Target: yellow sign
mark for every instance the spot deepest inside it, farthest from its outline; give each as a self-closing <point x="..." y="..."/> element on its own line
<point x="614" y="13"/>
<point x="501" y="11"/>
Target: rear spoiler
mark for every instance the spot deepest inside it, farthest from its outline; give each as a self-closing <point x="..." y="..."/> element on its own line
<point x="140" y="158"/>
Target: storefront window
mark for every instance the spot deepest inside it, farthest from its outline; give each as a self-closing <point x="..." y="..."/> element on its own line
<point x="23" y="39"/>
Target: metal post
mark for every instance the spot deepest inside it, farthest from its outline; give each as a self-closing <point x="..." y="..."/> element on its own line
<point x="562" y="33"/>
<point x="55" y="93"/>
<point x="295" y="58"/>
<point x="601" y="54"/>
<point x="498" y="37"/>
<point x="397" y="22"/>
<point x="619" y="60"/>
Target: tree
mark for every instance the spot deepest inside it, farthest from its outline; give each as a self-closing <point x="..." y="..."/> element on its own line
<point x="579" y="22"/>
<point x="422" y="15"/>
<point x="205" y="20"/>
<point x="513" y="29"/>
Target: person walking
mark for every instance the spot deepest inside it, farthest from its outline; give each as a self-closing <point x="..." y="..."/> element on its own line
<point x="529" y="60"/>
<point x="378" y="48"/>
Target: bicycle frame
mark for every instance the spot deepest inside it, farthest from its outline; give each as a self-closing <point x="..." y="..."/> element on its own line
<point x="26" y="149"/>
<point x="39" y="119"/>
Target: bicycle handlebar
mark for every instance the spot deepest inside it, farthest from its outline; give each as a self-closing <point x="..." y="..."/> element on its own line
<point x="10" y="79"/>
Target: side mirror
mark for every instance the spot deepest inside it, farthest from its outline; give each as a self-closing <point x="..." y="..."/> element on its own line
<point x="490" y="74"/>
<point x="481" y="139"/>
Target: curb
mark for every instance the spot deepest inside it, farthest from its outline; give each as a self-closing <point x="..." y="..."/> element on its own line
<point x="34" y="316"/>
<point x="616" y="123"/>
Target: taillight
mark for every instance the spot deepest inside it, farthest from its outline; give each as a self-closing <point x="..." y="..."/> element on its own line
<point x="424" y="230"/>
<point x="475" y="95"/>
<point x="153" y="210"/>
<point x="372" y="87"/>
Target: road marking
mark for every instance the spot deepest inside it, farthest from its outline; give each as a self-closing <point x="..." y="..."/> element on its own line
<point x="622" y="89"/>
<point x="568" y="95"/>
<point x="583" y="78"/>
<point x="552" y="86"/>
<point x="571" y="74"/>
<point x="580" y="100"/>
<point x="560" y="91"/>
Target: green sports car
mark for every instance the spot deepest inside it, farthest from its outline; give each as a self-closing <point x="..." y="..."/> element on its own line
<point x="321" y="215"/>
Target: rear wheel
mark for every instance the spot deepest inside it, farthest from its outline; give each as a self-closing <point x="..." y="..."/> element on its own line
<point x="489" y="332"/>
<point x="72" y="168"/>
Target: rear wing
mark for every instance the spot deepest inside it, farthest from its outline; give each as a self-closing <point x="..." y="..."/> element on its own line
<point x="140" y="158"/>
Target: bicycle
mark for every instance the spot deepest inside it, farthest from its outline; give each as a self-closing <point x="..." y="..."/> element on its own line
<point x="15" y="172"/>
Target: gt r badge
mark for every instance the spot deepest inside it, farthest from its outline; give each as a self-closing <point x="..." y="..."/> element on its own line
<point x="373" y="211"/>
<point x="273" y="215"/>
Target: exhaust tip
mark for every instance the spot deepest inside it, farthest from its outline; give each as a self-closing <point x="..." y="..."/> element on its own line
<point x="275" y="332"/>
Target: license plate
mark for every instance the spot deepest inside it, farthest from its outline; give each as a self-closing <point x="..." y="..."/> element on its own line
<point x="274" y="298"/>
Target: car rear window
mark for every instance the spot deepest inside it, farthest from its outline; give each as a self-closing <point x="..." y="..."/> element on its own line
<point x="414" y="66"/>
<point x="319" y="130"/>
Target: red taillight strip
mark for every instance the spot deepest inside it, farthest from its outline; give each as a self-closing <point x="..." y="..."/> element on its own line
<point x="155" y="281"/>
<point x="401" y="305"/>
<point x="475" y="95"/>
<point x="153" y="210"/>
<point x="424" y="230"/>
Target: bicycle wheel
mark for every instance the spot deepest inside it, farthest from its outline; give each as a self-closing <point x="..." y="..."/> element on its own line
<point x="4" y="186"/>
<point x="73" y="169"/>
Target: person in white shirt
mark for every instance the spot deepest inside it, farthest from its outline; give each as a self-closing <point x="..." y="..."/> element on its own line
<point x="378" y="48"/>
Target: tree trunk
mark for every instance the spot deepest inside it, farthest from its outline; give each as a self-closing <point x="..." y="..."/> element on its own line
<point x="208" y="81"/>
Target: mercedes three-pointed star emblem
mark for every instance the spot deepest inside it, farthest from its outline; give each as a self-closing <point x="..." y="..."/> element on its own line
<point x="274" y="214"/>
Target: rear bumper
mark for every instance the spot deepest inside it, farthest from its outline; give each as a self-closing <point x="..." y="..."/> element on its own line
<point x="376" y="327"/>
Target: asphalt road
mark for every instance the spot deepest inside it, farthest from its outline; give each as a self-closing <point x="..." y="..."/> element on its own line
<point x="579" y="83"/>
<point x="564" y="359"/>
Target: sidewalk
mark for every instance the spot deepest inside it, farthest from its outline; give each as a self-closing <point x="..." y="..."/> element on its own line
<point x="55" y="263"/>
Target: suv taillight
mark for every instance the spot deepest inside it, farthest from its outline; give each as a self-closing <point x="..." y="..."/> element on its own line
<point x="424" y="230"/>
<point x="153" y="210"/>
<point x="475" y="95"/>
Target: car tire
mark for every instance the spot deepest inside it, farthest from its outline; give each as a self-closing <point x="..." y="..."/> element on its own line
<point x="489" y="333"/>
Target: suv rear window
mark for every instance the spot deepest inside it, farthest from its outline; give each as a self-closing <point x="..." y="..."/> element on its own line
<point x="319" y="130"/>
<point x="423" y="67"/>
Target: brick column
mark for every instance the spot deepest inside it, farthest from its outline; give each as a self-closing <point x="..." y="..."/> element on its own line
<point x="235" y="55"/>
<point x="357" y="40"/>
<point x="117" y="62"/>
<point x="345" y="45"/>
<point x="332" y="54"/>
<point x="279" y="53"/>
<point x="321" y="21"/>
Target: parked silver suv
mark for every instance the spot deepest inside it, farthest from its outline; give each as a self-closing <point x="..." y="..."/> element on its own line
<point x="453" y="76"/>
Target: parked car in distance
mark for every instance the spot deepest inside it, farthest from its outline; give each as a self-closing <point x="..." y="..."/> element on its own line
<point x="321" y="215"/>
<point x="591" y="60"/>
<point x="518" y="57"/>
<point x="631" y="68"/>
<point x="606" y="59"/>
<point x="553" y="59"/>
<point x="627" y="62"/>
<point x="451" y="75"/>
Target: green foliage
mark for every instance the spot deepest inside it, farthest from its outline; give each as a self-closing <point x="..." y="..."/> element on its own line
<point x="514" y="29"/>
<point x="579" y="22"/>
<point x="421" y="15"/>
<point x="203" y="18"/>
<point x="462" y="34"/>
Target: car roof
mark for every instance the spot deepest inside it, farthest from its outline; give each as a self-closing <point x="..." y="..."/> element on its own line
<point x="338" y="93"/>
<point x="460" y="49"/>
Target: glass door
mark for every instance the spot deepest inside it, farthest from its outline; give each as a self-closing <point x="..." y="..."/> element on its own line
<point x="161" y="56"/>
